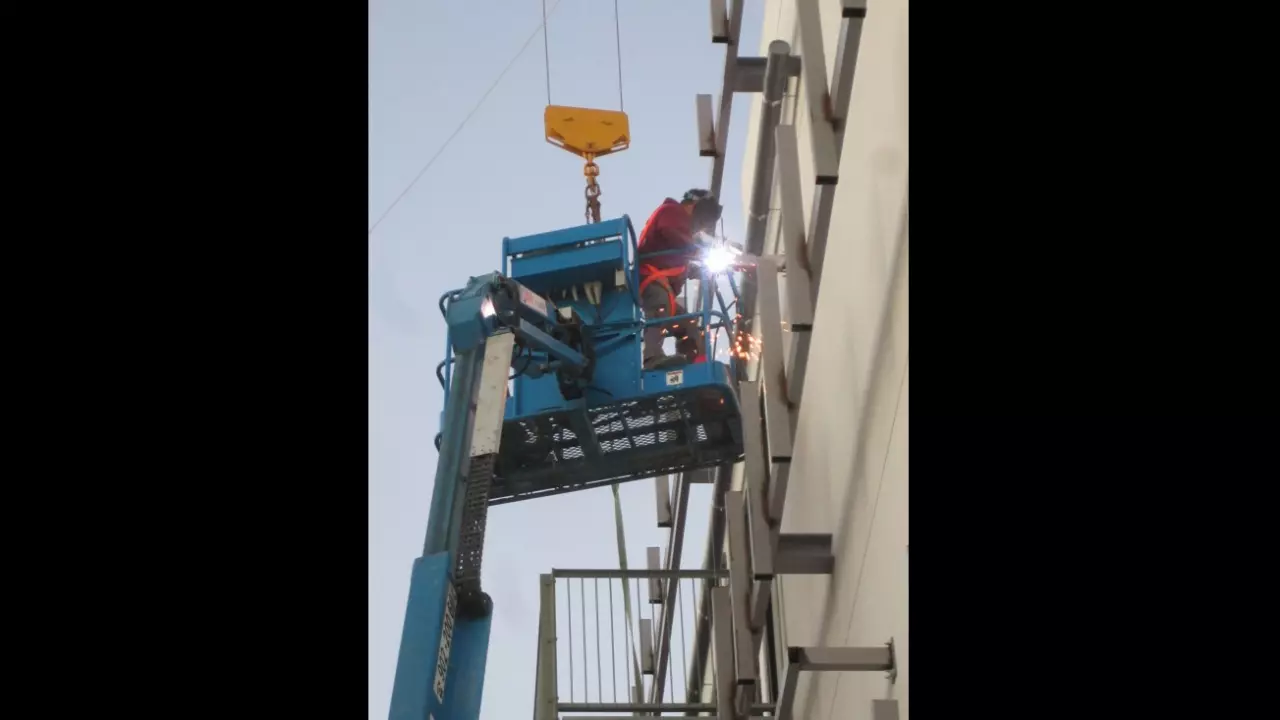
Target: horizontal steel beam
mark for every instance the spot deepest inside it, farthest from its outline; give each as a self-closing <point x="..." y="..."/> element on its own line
<point x="805" y="554"/>
<point x="751" y="72"/>
<point x="827" y="659"/>
<point x="705" y="476"/>
<point x="805" y="564"/>
<point x="642" y="574"/>
<point x="750" y="75"/>
<point x="838" y="659"/>
<point x="648" y="707"/>
<point x="699" y="718"/>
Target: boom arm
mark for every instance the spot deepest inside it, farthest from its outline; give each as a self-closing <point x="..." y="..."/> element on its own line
<point x="445" y="642"/>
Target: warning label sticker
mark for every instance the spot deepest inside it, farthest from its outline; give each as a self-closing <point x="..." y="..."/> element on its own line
<point x="675" y="377"/>
<point x="446" y="643"/>
<point x="533" y="300"/>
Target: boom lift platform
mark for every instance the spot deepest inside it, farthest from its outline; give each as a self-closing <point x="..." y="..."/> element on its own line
<point x="583" y="412"/>
<point x="545" y="393"/>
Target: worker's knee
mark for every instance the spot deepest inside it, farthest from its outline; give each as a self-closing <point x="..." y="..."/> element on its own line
<point x="654" y="306"/>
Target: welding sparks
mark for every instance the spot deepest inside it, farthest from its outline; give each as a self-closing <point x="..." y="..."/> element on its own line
<point x="746" y="346"/>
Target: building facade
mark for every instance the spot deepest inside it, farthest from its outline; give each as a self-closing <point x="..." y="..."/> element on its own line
<point x="849" y="467"/>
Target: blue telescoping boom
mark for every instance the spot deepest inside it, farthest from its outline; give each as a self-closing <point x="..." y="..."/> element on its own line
<point x="545" y="393"/>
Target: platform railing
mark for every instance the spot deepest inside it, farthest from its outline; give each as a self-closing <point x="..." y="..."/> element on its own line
<point x="706" y="301"/>
<point x="723" y="327"/>
<point x="596" y="654"/>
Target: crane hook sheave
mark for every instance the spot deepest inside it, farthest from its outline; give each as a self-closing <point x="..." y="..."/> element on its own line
<point x="587" y="132"/>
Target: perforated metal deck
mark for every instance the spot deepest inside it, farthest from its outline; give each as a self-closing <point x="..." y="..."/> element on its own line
<point x="668" y="433"/>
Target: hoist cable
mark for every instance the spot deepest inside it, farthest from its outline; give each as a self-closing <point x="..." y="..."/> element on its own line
<point x="617" y="38"/>
<point x="546" y="49"/>
<point x="467" y="119"/>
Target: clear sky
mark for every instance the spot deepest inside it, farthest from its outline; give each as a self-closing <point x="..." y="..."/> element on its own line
<point x="430" y="61"/>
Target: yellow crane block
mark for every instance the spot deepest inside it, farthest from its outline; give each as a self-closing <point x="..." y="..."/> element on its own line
<point x="586" y="132"/>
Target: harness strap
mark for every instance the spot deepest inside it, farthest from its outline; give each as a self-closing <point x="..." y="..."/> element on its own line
<point x="649" y="274"/>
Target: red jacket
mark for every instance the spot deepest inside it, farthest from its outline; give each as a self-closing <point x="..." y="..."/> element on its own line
<point x="668" y="228"/>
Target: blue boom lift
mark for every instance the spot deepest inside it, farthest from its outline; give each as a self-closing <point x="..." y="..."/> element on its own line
<point x="545" y="393"/>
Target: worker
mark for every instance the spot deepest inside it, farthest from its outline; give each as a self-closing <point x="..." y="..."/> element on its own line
<point x="673" y="230"/>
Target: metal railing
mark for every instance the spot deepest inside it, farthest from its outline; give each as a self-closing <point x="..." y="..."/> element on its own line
<point x="596" y="640"/>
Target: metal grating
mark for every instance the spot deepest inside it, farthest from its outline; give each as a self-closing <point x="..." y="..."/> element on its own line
<point x="635" y="439"/>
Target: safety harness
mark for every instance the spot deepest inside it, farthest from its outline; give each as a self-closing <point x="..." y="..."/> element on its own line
<point x="649" y="274"/>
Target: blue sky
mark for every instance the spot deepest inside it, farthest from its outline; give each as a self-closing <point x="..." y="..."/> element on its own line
<point x="499" y="178"/>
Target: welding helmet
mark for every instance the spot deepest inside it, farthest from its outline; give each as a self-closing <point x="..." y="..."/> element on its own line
<point x="706" y="210"/>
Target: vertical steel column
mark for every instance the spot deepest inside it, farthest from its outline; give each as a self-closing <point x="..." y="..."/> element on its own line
<point x="653" y="557"/>
<point x="744" y="653"/>
<point x="545" y="687"/>
<point x="763" y="536"/>
<point x="721" y="615"/>
<point x="719" y="22"/>
<point x="826" y="157"/>
<point x="726" y="93"/>
<point x="800" y="292"/>
<point x="646" y="646"/>
<point x="853" y="13"/>
<point x="662" y="490"/>
<point x="675" y="549"/>
<point x="799" y="300"/>
<point x="777" y="415"/>
<point x="753" y="243"/>
<point x="775" y="86"/>
<point x="706" y="127"/>
<point x="828" y="110"/>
